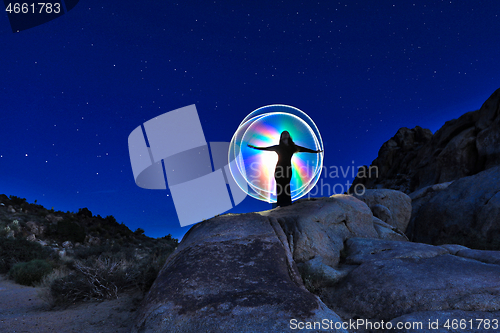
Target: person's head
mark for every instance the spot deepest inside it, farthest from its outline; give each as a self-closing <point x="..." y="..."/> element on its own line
<point x="285" y="138"/>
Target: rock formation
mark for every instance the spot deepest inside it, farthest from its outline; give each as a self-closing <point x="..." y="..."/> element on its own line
<point x="243" y="272"/>
<point x="392" y="207"/>
<point x="317" y="259"/>
<point x="346" y="258"/>
<point x="451" y="177"/>
<point x="230" y="274"/>
<point x="414" y="158"/>
<point x="393" y="279"/>
<point x="466" y="212"/>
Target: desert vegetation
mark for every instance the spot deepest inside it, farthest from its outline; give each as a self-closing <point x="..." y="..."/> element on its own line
<point x="76" y="256"/>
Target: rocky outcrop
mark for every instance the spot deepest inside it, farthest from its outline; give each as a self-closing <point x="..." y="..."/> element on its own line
<point x="454" y="248"/>
<point x="256" y="272"/>
<point x="395" y="158"/>
<point x="361" y="250"/>
<point x="414" y="158"/>
<point x="420" y="198"/>
<point x="489" y="257"/>
<point x="398" y="278"/>
<point x="317" y="228"/>
<point x="451" y="178"/>
<point x="235" y="270"/>
<point x="386" y="231"/>
<point x="54" y="218"/>
<point x="465" y="212"/>
<point x="233" y="273"/>
<point x="392" y="207"/>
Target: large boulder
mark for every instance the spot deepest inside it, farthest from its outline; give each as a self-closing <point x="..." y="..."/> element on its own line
<point x="241" y="272"/>
<point x="414" y="158"/>
<point x="403" y="278"/>
<point x="318" y="227"/>
<point x="392" y="207"/>
<point x="420" y="198"/>
<point x="466" y="212"/>
<point x="488" y="126"/>
<point x="233" y="273"/>
<point x="391" y="168"/>
<point x="489" y="257"/>
<point x="387" y="231"/>
<point x="361" y="250"/>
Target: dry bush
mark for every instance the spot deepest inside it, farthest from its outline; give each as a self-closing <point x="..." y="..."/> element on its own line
<point x="99" y="279"/>
<point x="45" y="284"/>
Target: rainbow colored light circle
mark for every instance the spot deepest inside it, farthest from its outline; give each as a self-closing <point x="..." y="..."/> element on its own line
<point x="253" y="170"/>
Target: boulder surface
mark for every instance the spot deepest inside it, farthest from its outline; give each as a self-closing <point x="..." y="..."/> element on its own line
<point x="238" y="273"/>
<point x="399" y="278"/>
<point x="466" y="212"/>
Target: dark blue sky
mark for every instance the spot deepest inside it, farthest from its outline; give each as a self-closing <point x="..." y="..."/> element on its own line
<point x="74" y="88"/>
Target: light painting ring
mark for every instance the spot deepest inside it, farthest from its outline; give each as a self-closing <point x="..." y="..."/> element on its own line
<point x="262" y="128"/>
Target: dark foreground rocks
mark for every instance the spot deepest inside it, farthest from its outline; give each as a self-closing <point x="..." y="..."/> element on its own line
<point x="240" y="273"/>
<point x="232" y="274"/>
<point x="316" y="261"/>
<point x="466" y="212"/>
<point x="412" y="282"/>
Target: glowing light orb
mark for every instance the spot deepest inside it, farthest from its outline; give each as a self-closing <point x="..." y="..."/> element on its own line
<point x="262" y="128"/>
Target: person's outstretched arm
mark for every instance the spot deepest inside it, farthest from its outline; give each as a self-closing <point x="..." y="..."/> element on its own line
<point x="270" y="148"/>
<point x="307" y="150"/>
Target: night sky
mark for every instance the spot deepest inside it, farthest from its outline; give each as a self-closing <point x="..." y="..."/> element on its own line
<point x="74" y="88"/>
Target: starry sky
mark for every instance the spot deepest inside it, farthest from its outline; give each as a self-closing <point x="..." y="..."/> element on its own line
<point x="74" y="88"/>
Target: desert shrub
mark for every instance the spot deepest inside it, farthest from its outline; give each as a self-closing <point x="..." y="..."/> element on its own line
<point x="110" y="222"/>
<point x="29" y="273"/>
<point x="16" y="201"/>
<point x="96" y="228"/>
<point x="104" y="276"/>
<point x="4" y="230"/>
<point x="123" y="230"/>
<point x="85" y="212"/>
<point x="68" y="230"/>
<point x="44" y="291"/>
<point x="170" y="240"/>
<point x="149" y="270"/>
<point x="150" y="265"/>
<point x="20" y="250"/>
<point x="85" y="252"/>
<point x="4" y="199"/>
<point x="94" y="280"/>
<point x="128" y="252"/>
<point x="14" y="225"/>
<point x="139" y="232"/>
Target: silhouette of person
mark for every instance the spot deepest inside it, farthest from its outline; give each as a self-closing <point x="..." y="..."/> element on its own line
<point x="283" y="171"/>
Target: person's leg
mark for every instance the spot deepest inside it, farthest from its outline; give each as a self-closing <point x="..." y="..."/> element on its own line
<point x="287" y="193"/>
<point x="287" y="196"/>
<point x="279" y="193"/>
<point x="283" y="176"/>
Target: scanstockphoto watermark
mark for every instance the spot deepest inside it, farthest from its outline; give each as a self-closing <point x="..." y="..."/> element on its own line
<point x="323" y="186"/>
<point x="359" y="324"/>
